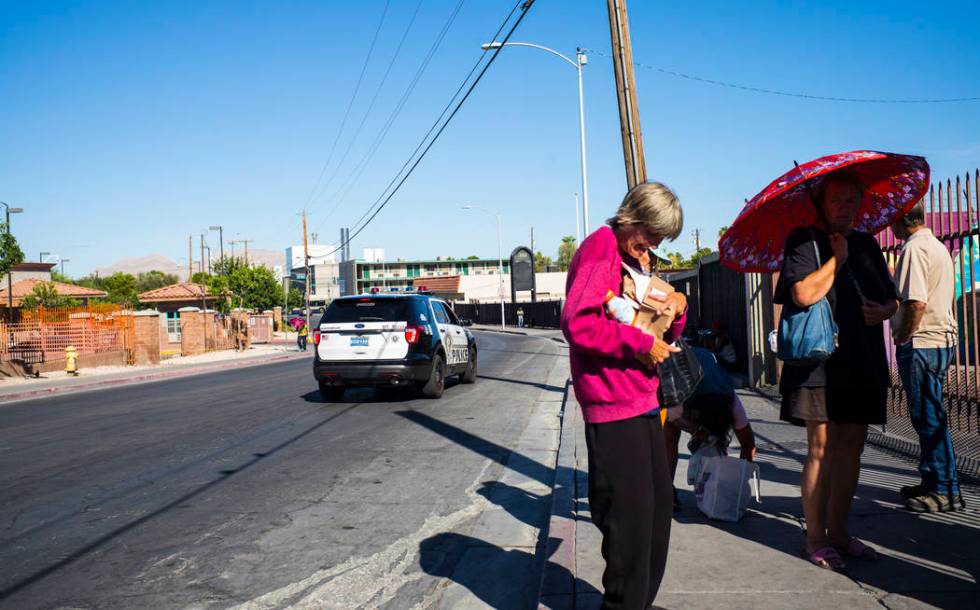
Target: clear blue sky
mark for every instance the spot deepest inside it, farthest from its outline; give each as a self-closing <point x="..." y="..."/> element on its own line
<point x="127" y="126"/>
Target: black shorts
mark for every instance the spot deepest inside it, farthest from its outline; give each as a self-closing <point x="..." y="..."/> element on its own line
<point x="837" y="405"/>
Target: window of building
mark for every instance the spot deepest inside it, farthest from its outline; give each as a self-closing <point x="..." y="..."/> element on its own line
<point x="173" y="326"/>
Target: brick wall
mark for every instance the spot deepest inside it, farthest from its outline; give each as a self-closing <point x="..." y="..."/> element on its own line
<point x="191" y="331"/>
<point x="147" y="331"/>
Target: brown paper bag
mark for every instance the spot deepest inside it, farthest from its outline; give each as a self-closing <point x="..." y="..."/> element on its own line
<point x="654" y="317"/>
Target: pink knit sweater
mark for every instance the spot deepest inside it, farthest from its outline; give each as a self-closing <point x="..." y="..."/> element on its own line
<point x="610" y="383"/>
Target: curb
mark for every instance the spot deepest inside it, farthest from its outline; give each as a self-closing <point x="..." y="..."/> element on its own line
<point x="500" y="330"/>
<point x="557" y="589"/>
<point x="151" y="376"/>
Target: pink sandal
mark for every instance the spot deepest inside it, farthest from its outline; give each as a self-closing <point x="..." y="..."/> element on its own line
<point x="827" y="558"/>
<point x="859" y="550"/>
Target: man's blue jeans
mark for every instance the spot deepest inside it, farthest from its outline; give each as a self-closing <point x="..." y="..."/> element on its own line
<point x="923" y="373"/>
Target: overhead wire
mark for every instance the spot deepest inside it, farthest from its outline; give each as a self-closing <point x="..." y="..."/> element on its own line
<point x="383" y="200"/>
<point x="807" y="96"/>
<point x="442" y="114"/>
<point x="350" y="104"/>
<point x="374" y="99"/>
<point x="341" y="193"/>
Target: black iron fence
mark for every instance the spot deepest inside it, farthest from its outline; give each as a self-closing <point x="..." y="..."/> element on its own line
<point x="539" y="314"/>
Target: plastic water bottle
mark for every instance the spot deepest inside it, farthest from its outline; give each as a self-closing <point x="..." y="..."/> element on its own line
<point x="620" y="308"/>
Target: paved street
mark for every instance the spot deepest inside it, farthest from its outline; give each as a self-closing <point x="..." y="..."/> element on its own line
<point x="242" y="487"/>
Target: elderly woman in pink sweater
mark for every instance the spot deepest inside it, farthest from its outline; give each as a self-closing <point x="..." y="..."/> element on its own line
<point x="614" y="372"/>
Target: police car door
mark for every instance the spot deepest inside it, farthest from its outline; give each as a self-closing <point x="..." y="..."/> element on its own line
<point x="453" y="338"/>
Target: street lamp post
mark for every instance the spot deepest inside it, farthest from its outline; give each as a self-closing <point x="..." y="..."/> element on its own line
<point x="581" y="59"/>
<point x="63" y="261"/>
<point x="500" y="260"/>
<point x="221" y="241"/>
<point x="10" y="288"/>
<point x="41" y="258"/>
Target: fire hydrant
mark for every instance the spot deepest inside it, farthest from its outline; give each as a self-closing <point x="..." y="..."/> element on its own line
<point x="71" y="360"/>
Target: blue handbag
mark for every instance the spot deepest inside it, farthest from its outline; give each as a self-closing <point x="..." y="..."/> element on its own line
<point x="807" y="336"/>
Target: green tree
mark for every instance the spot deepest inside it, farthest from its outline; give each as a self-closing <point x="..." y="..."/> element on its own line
<point x="245" y="285"/>
<point x="566" y="251"/>
<point x="45" y="294"/>
<point x="121" y="288"/>
<point x="697" y="256"/>
<point x="542" y="262"/>
<point x="472" y="258"/>
<point x="151" y="280"/>
<point x="57" y="276"/>
<point x="295" y="299"/>
<point x="721" y="232"/>
<point x="10" y="252"/>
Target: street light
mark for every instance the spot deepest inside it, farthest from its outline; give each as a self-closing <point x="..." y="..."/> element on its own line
<point x="63" y="261"/>
<point x="41" y="258"/>
<point x="221" y="241"/>
<point x="10" y="288"/>
<point x="500" y="259"/>
<point x="580" y="60"/>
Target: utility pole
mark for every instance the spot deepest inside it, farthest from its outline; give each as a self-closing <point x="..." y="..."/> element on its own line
<point x="697" y="240"/>
<point x="232" y="242"/>
<point x="246" y="242"/>
<point x="629" y="115"/>
<point x="202" y="252"/>
<point x="306" y="265"/>
<point x="190" y="257"/>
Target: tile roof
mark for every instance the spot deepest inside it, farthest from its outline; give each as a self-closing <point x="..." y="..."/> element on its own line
<point x="183" y="291"/>
<point x="23" y="288"/>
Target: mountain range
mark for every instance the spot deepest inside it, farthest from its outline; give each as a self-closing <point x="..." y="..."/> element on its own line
<point x="159" y="262"/>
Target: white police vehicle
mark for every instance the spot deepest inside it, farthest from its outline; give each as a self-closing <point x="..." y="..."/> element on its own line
<point x="391" y="340"/>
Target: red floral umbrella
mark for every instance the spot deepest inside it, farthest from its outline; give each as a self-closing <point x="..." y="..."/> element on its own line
<point x="893" y="184"/>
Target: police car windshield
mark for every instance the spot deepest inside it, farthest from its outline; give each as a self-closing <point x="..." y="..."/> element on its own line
<point x="367" y="310"/>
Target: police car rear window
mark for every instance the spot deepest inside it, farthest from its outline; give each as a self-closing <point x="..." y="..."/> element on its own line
<point x="367" y="310"/>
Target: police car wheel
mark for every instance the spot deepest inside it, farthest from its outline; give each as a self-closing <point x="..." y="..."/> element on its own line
<point x="434" y="387"/>
<point x="469" y="375"/>
<point x="330" y="393"/>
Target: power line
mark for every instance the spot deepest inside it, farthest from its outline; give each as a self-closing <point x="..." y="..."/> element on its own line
<point x="341" y="194"/>
<point x="445" y="109"/>
<point x="806" y="96"/>
<point x="525" y="6"/>
<point x="350" y="104"/>
<point x="374" y="99"/>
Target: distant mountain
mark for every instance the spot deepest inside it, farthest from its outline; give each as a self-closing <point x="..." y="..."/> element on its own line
<point x="159" y="262"/>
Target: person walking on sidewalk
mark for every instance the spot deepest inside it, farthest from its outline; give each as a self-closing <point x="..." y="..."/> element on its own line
<point x="925" y="335"/>
<point x="301" y="336"/>
<point x="613" y="367"/>
<point x="836" y="400"/>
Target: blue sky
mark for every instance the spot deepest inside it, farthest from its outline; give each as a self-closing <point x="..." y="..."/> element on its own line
<point x="125" y="127"/>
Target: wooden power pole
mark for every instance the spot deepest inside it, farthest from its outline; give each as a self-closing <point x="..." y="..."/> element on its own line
<point x="190" y="257"/>
<point x="629" y="115"/>
<point x="306" y="269"/>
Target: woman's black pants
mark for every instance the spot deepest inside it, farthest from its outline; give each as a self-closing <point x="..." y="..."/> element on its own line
<point x="631" y="499"/>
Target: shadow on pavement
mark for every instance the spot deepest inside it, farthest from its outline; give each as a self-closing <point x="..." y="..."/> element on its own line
<point x="543" y="386"/>
<point x="486" y="570"/>
<point x="225" y="475"/>
<point x="929" y="558"/>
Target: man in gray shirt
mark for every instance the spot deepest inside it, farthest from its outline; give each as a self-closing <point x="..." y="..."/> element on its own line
<point x="925" y="334"/>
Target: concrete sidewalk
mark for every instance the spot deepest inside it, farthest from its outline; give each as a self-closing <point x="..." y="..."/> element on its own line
<point x="101" y="377"/>
<point x="928" y="560"/>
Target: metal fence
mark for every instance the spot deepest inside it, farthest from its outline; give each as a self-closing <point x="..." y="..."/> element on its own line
<point x="540" y="314"/>
<point x="38" y="335"/>
<point x="952" y="214"/>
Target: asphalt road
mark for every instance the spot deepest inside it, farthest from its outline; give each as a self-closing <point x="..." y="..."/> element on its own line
<point x="243" y="487"/>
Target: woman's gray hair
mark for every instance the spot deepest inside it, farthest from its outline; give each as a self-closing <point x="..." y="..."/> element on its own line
<point x="654" y="206"/>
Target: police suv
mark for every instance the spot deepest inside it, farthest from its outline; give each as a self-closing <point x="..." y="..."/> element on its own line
<point x="391" y="340"/>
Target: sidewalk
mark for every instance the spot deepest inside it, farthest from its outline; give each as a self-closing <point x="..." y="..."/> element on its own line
<point x="22" y="388"/>
<point x="929" y="560"/>
<point x="550" y="333"/>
